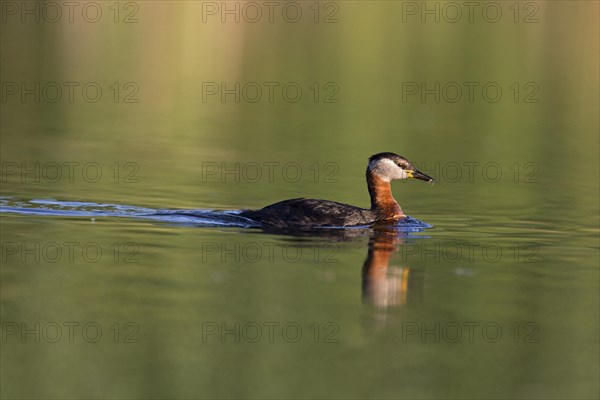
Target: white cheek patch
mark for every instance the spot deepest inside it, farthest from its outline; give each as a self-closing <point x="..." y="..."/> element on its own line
<point x="387" y="170"/>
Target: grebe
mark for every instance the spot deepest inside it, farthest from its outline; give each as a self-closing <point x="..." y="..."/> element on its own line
<point x="382" y="169"/>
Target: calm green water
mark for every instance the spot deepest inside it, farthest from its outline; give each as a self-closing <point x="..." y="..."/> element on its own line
<point x="499" y="299"/>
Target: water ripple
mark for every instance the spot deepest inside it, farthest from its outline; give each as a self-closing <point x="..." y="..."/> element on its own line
<point x="201" y="217"/>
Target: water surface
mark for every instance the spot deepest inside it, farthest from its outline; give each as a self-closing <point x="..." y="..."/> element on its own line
<point x="497" y="298"/>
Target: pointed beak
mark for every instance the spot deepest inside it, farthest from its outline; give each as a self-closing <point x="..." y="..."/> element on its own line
<point x="416" y="174"/>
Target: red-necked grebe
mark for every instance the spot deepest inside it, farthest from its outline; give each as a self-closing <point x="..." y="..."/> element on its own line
<point x="382" y="169"/>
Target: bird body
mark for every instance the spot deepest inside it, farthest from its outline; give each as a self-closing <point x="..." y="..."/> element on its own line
<point x="383" y="168"/>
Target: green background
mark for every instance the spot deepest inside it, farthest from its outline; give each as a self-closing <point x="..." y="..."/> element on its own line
<point x="534" y="187"/>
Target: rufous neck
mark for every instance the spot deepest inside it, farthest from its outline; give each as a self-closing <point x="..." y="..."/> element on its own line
<point x="382" y="200"/>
